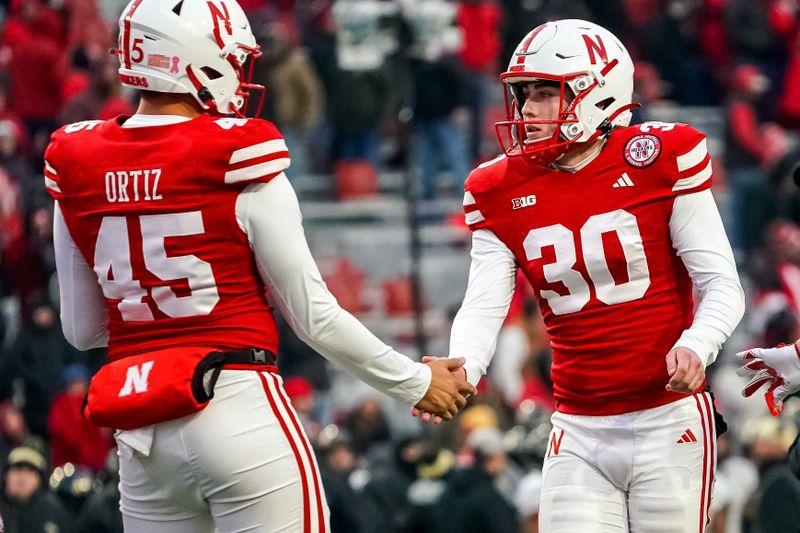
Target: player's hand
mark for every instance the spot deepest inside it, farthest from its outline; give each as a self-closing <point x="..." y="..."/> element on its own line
<point x="427" y="417"/>
<point x="777" y="367"/>
<point x="448" y="389"/>
<point x="686" y="371"/>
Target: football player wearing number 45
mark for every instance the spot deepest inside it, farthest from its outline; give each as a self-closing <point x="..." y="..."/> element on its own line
<point x="613" y="226"/>
<point x="171" y="226"/>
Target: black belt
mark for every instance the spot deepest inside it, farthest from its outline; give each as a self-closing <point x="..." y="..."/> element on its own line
<point x="215" y="361"/>
<point x="254" y="356"/>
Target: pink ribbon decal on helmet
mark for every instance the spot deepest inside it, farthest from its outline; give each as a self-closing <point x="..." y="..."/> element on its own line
<point x="174" y="68"/>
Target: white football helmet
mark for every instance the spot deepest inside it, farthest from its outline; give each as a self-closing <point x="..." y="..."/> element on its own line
<point x="197" y="47"/>
<point x="582" y="57"/>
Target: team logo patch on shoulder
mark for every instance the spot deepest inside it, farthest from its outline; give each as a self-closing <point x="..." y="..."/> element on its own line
<point x="642" y="150"/>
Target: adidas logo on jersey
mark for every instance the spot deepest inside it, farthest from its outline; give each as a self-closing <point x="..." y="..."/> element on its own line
<point x="624" y="181"/>
<point x="687" y="437"/>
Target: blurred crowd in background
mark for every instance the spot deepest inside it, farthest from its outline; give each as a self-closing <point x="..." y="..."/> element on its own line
<point x="364" y="87"/>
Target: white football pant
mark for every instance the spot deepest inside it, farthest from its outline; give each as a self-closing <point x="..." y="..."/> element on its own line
<point x="243" y="464"/>
<point x="648" y="471"/>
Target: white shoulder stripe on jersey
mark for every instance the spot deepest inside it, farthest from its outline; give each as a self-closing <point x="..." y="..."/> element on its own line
<point x="693" y="157"/>
<point x="257" y="171"/>
<point x="50" y="169"/>
<point x="468" y="198"/>
<point x="51" y="184"/>
<point x="258" y="150"/>
<point x="474" y="217"/>
<point x="693" y="181"/>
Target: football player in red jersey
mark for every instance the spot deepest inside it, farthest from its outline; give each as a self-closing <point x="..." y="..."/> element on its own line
<point x="171" y="226"/>
<point x="613" y="226"/>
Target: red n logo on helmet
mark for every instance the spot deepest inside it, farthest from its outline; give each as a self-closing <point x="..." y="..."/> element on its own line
<point x="220" y="15"/>
<point x="592" y="47"/>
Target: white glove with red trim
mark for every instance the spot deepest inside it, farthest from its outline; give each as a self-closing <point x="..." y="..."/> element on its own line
<point x="779" y="367"/>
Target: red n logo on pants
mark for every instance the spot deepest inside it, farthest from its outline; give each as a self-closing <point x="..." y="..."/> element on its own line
<point x="555" y="443"/>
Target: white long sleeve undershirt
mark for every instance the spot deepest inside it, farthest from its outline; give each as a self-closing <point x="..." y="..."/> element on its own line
<point x="699" y="239"/>
<point x="269" y="214"/>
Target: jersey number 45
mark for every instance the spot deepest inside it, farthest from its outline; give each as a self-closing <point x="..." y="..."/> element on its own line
<point x="112" y="263"/>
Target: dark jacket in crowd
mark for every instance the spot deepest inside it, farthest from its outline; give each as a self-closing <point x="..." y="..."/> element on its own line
<point x="101" y="512"/>
<point x="472" y="504"/>
<point x="43" y="513"/>
<point x="343" y="502"/>
<point x="38" y="357"/>
<point x="779" y="500"/>
<point x="437" y="89"/>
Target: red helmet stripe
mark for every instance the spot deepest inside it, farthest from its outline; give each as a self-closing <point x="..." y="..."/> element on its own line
<point x="527" y="42"/>
<point x="126" y="30"/>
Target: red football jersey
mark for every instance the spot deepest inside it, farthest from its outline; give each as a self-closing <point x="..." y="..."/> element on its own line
<point x="595" y="245"/>
<point x="152" y="211"/>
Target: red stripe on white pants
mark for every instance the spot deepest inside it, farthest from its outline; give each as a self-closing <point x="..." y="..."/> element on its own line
<point x="306" y="446"/>
<point x="295" y="450"/>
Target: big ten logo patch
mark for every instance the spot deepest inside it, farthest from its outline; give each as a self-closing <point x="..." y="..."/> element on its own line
<point x="523" y="201"/>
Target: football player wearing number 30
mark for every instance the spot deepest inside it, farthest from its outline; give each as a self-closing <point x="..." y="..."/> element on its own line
<point x="175" y="230"/>
<point x="614" y="226"/>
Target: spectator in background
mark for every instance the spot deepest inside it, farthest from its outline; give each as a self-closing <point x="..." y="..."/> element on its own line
<point x="102" y="99"/>
<point x="438" y="98"/>
<point x="777" y="500"/>
<point x="38" y="68"/>
<point x="357" y="80"/>
<point x="301" y="394"/>
<point x="13" y="431"/>
<point x="751" y="148"/>
<point x="38" y="358"/>
<point x="296" y="94"/>
<point x="472" y="503"/>
<point x="7" y="113"/>
<point x="337" y="462"/>
<point x="789" y="103"/>
<point x="26" y="505"/>
<point x="86" y="28"/>
<point x="479" y="21"/>
<point x="385" y="495"/>
<point x="367" y="425"/>
<point x="434" y="469"/>
<point x="754" y="31"/>
<point x="101" y="512"/>
<point x="669" y="41"/>
<point x="13" y="160"/>
<point x="72" y="438"/>
<point x="12" y="237"/>
<point x="520" y="368"/>
<point x="526" y="501"/>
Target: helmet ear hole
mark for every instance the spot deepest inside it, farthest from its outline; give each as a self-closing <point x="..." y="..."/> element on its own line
<point x="178" y="7"/>
<point x="210" y="73"/>
<point x="603" y="104"/>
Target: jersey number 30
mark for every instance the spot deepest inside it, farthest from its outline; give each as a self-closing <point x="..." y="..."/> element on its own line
<point x="112" y="263"/>
<point x="591" y="237"/>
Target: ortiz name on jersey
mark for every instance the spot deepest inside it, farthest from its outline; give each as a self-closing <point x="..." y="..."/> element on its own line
<point x="152" y="211"/>
<point x="595" y="245"/>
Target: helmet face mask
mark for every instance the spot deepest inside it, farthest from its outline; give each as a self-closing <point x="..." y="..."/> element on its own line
<point x="589" y="65"/>
<point x="200" y="47"/>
